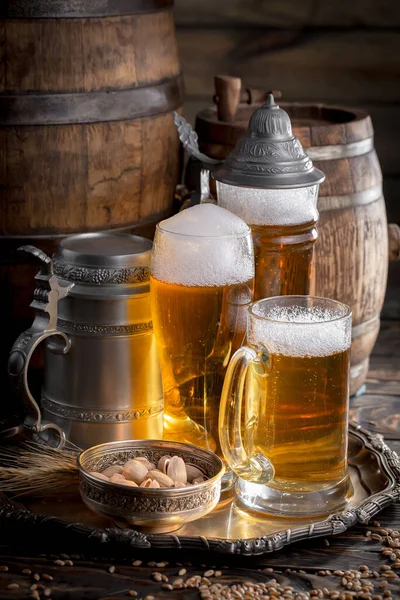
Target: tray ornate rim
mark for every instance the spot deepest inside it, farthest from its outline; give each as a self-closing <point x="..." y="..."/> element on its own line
<point x="334" y="524"/>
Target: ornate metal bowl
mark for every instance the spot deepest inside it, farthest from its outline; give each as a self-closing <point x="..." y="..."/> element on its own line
<point x="155" y="510"/>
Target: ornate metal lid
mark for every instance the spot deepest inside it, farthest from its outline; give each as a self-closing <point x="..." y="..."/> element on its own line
<point x="269" y="156"/>
<point x="103" y="258"/>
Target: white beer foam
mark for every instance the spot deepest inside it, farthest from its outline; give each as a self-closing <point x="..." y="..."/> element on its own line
<point x="270" y="207"/>
<point x="300" y="331"/>
<point x="205" y="245"/>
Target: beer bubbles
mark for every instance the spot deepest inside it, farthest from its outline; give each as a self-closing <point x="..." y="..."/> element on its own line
<point x="270" y="207"/>
<point x="269" y="181"/>
<point x="202" y="275"/>
<point x="300" y="330"/>
<point x="205" y="245"/>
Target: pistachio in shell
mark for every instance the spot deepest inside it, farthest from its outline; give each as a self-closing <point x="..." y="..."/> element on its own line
<point x="117" y="478"/>
<point x="198" y="480"/>
<point x="113" y="469"/>
<point x="176" y="469"/>
<point x="150" y="483"/>
<point x="134" y="470"/>
<point x="163" y="463"/>
<point x="150" y="466"/>
<point x="193" y="472"/>
<point x="161" y="478"/>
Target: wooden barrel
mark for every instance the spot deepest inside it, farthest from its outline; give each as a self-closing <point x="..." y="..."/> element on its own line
<point x="87" y="139"/>
<point x="351" y="256"/>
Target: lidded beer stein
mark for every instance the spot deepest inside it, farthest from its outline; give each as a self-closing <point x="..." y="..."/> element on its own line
<point x="269" y="181"/>
<point x="289" y="444"/>
<point x="102" y="380"/>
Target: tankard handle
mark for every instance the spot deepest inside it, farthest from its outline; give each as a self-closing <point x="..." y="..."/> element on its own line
<point x="255" y="467"/>
<point x="46" y="296"/>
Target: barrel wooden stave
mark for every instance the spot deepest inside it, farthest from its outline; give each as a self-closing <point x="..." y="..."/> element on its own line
<point x="76" y="55"/>
<point x="85" y="176"/>
<point x="351" y="255"/>
<point x="87" y="139"/>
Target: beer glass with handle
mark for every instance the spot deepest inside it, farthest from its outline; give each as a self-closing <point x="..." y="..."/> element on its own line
<point x="202" y="274"/>
<point x="290" y="451"/>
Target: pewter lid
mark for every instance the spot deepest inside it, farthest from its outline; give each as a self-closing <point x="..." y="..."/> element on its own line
<point x="269" y="156"/>
<point x="103" y="258"/>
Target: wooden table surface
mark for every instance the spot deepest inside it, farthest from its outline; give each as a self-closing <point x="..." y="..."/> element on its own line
<point x="306" y="569"/>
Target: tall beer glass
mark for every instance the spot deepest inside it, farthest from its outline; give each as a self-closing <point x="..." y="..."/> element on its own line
<point x="201" y="286"/>
<point x="283" y="223"/>
<point x="294" y="437"/>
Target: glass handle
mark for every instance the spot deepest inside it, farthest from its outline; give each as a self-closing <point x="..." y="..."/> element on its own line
<point x="256" y="467"/>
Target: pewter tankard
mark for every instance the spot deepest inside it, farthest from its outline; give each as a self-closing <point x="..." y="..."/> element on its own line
<point x="102" y="381"/>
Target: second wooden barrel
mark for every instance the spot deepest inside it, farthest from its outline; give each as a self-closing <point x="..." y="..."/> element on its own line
<point x="351" y="255"/>
<point x="87" y="139"/>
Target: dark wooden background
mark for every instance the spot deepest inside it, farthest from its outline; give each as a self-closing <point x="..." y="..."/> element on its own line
<point x="338" y="52"/>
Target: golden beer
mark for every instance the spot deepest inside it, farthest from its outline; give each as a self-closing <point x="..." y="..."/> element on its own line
<point x="283" y="226"/>
<point x="202" y="277"/>
<point x="297" y="411"/>
<point x="283" y="256"/>
<point x="197" y="331"/>
<point x="288" y="431"/>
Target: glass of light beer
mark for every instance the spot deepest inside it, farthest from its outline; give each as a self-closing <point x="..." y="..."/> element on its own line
<point x="288" y="443"/>
<point x="202" y="274"/>
<point x="283" y="223"/>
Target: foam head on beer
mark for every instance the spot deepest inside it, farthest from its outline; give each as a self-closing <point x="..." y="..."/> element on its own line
<point x="205" y="245"/>
<point x="300" y="330"/>
<point x="270" y="207"/>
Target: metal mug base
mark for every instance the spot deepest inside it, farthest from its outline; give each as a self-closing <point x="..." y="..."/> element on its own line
<point x="273" y="501"/>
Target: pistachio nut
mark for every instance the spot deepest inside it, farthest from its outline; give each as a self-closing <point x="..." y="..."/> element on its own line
<point x="176" y="469"/>
<point x="163" y="463"/>
<point x="198" y="480"/>
<point x="113" y="469"/>
<point x="117" y="478"/>
<point x="161" y="478"/>
<point x="135" y="470"/>
<point x="193" y="472"/>
<point x="150" y="466"/>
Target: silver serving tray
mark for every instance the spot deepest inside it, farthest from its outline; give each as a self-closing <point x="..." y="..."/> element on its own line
<point x="375" y="474"/>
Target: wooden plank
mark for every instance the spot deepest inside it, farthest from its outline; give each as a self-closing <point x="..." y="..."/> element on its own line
<point x="324" y="66"/>
<point x="288" y="13"/>
<point x="297" y="566"/>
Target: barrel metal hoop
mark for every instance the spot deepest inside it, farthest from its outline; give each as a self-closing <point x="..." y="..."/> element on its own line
<point x="79" y="9"/>
<point x="362" y="198"/>
<point x="341" y="150"/>
<point x="75" y="413"/>
<point x="92" y="107"/>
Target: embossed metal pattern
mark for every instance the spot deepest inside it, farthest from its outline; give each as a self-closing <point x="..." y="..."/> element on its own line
<point x="291" y="531"/>
<point x="156" y="509"/>
<point x="101" y="416"/>
<point x="113" y="539"/>
<point x="104" y="330"/>
<point x="80" y="9"/>
<point x="100" y="276"/>
<point x="269" y="156"/>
